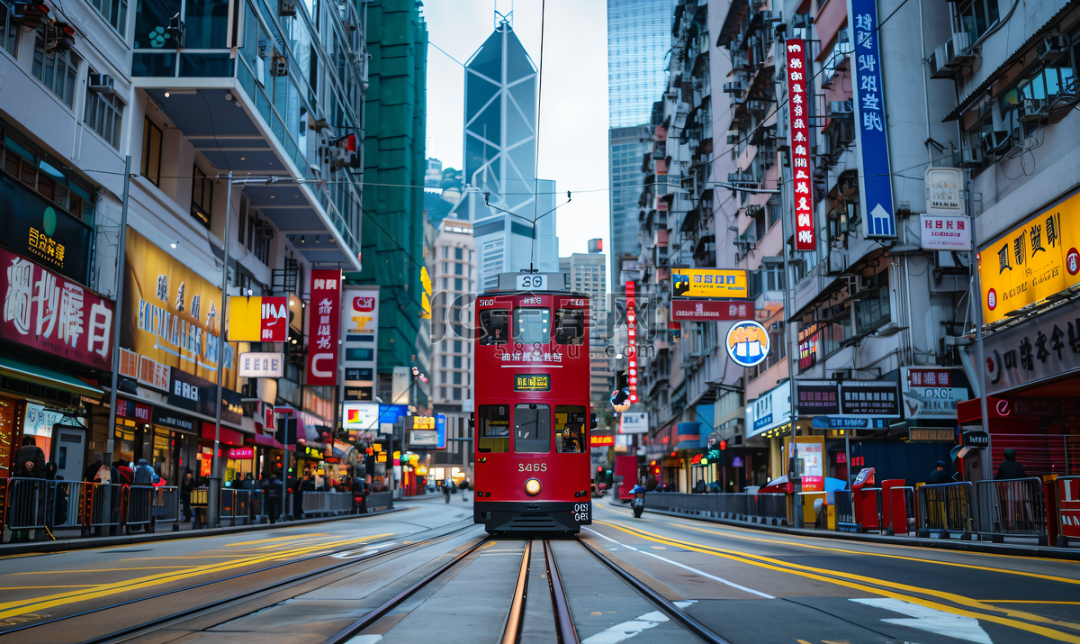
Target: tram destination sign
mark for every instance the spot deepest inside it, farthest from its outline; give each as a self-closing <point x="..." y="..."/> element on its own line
<point x="532" y="382"/>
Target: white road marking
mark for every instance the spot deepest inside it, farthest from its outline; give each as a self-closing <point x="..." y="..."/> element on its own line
<point x="365" y="639"/>
<point x="625" y="630"/>
<point x="928" y="619"/>
<point x="693" y="570"/>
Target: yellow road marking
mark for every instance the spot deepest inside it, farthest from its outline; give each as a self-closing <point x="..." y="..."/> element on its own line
<point x="822" y="575"/>
<point x="64" y="586"/>
<point x="55" y="572"/>
<point x="288" y="538"/>
<point x="19" y="607"/>
<point x="1063" y="580"/>
<point x="1027" y="601"/>
<point x="179" y="557"/>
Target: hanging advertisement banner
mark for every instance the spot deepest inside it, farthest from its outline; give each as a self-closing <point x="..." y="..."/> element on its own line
<point x="771" y="409"/>
<point x="324" y="327"/>
<point x="863" y="398"/>
<point x="932" y="392"/>
<point x="361" y="340"/>
<point x="875" y="177"/>
<point x="171" y="314"/>
<point x="259" y="319"/>
<point x="709" y="282"/>
<point x="940" y="232"/>
<point x="809" y="342"/>
<point x="53" y="314"/>
<point x="798" y="118"/>
<point x="262" y="365"/>
<point x="631" y="341"/>
<point x="31" y="226"/>
<point x="634" y="423"/>
<point x="705" y="310"/>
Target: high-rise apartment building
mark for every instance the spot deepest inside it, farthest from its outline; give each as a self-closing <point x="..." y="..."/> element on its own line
<point x="500" y="161"/>
<point x="587" y="275"/>
<point x="639" y="36"/>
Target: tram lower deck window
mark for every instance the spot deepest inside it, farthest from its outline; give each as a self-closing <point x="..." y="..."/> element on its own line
<point x="493" y="423"/>
<point x="532" y="428"/>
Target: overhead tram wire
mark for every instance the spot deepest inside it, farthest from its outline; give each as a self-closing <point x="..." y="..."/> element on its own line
<point x="536" y="160"/>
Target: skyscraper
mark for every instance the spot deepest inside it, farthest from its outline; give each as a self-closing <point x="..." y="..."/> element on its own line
<point x="500" y="161"/>
<point x="587" y="276"/>
<point x="639" y="36"/>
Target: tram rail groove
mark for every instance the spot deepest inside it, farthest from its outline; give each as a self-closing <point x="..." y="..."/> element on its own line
<point x="119" y="635"/>
<point x="673" y="612"/>
<point x="514" y="621"/>
<point x="564" y="621"/>
<point x="375" y="615"/>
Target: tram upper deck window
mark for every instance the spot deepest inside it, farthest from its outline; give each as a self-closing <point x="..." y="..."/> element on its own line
<point x="494" y="428"/>
<point x="570" y="429"/>
<point x="532" y="428"/>
<point x="570" y="326"/>
<point x="532" y="325"/>
<point x="493" y="326"/>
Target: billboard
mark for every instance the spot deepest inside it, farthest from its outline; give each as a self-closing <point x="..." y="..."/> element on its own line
<point x="801" y="169"/>
<point x="706" y="310"/>
<point x="634" y="423"/>
<point x="709" y="282"/>
<point x="259" y="319"/>
<point x="360" y="416"/>
<point x="323" y="327"/>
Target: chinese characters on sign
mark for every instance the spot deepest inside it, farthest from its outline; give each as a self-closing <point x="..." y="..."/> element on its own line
<point x="631" y="341"/>
<point x="798" y="105"/>
<point x="875" y="180"/>
<point x="46" y="247"/>
<point x="709" y="282"/>
<point x="932" y="392"/>
<point x="1044" y="347"/>
<point x="707" y="310"/>
<point x="532" y="382"/>
<point x="54" y="314"/>
<point x="808" y="346"/>
<point x="945" y="233"/>
<point x="1031" y="262"/>
<point x="323" y="327"/>
<point x="880" y="398"/>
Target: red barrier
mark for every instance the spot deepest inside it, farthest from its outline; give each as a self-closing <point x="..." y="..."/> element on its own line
<point x="894" y="506"/>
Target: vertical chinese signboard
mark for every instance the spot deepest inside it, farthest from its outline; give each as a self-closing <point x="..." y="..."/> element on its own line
<point x="800" y="145"/>
<point x="361" y="306"/>
<point x="323" y="327"/>
<point x="631" y="341"/>
<point x="875" y="180"/>
<point x="53" y="314"/>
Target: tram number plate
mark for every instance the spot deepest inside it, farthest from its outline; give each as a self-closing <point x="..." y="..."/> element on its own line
<point x="583" y="512"/>
<point x="532" y="282"/>
<point x="532" y="382"/>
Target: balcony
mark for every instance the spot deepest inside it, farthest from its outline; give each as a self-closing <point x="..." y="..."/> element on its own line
<point x="238" y="93"/>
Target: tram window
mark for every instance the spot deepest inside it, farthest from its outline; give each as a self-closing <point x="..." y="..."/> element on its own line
<point x="494" y="434"/>
<point x="532" y="429"/>
<point x="493" y="326"/>
<point x="570" y="429"/>
<point x="570" y="326"/>
<point x="532" y="326"/>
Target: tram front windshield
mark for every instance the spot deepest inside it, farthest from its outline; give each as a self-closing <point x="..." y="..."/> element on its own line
<point x="532" y="326"/>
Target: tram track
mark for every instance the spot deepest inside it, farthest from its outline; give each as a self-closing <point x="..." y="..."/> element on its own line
<point x="250" y="576"/>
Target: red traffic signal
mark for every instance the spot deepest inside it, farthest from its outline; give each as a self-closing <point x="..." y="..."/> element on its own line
<point x="723" y="445"/>
<point x="599" y="468"/>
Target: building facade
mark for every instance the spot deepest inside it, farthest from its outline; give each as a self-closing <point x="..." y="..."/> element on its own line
<point x="588" y="275"/>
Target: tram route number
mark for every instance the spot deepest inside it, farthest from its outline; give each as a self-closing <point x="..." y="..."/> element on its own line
<point x="532" y="282"/>
<point x="583" y="512"/>
<point x="532" y="467"/>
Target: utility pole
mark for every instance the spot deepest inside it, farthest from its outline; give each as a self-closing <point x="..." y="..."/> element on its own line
<point x="121" y="256"/>
<point x="980" y="358"/>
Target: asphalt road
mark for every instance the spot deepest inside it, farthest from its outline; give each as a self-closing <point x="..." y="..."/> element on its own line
<point x="749" y="586"/>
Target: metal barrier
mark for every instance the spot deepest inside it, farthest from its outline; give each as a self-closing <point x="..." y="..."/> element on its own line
<point x="69" y="501"/>
<point x="379" y="501"/>
<point x="945" y="509"/>
<point x="166" y="504"/>
<point x="105" y="505"/>
<point x="1010" y="508"/>
<point x="327" y="503"/>
<point x="769" y="508"/>
<point x="139" y="509"/>
<point x="27" y="503"/>
<point x="235" y="504"/>
<point x="901" y="495"/>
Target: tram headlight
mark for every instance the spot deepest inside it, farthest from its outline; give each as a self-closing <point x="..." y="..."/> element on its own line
<point x="533" y="487"/>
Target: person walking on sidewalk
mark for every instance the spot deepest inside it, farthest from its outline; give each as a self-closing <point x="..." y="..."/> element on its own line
<point x="29" y="460"/>
<point x="1010" y="468"/>
<point x="272" y="487"/>
<point x="463" y="487"/>
<point x="29" y="496"/>
<point x="938" y="475"/>
<point x="186" y="486"/>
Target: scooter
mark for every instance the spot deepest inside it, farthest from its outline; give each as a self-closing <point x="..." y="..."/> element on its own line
<point x="637" y="503"/>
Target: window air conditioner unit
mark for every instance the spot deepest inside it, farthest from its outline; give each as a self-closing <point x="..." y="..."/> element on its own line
<point x="996" y="141"/>
<point x="732" y="138"/>
<point x="772" y="16"/>
<point x="286" y="8"/>
<point x="950" y="56"/>
<point x="100" y="83"/>
<point x="801" y="21"/>
<point x="971" y="158"/>
<point x="1052" y="47"/>
<point x="841" y="108"/>
<point x="1033" y="109"/>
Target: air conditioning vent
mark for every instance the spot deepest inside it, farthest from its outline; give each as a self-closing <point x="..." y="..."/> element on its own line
<point x="801" y="20"/>
<point x="732" y="138"/>
<point x="756" y="106"/>
<point x="1033" y="109"/>
<point x="1052" y="47"/>
<point x="951" y="55"/>
<point x="100" y="83"/>
<point x="841" y="108"/>
<point x="286" y="8"/>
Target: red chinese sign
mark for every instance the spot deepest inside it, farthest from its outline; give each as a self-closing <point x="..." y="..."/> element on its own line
<point x="323" y="327"/>
<point x="601" y="441"/>
<point x="1069" y="493"/>
<point x="631" y="341"/>
<point x="695" y="310"/>
<point x="241" y="453"/>
<point x="53" y="314"/>
<point x="800" y="145"/>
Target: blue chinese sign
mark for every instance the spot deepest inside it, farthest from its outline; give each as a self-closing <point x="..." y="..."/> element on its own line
<point x="846" y="422"/>
<point x="875" y="178"/>
<point x="390" y="413"/>
<point x="440" y="429"/>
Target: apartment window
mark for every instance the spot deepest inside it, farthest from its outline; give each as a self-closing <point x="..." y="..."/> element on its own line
<point x="458" y="253"/>
<point x="202" y="195"/>
<point x="838" y="329"/>
<point x="874" y="311"/>
<point x="444" y="362"/>
<point x="444" y="284"/>
<point x="977" y="16"/>
<point x="457" y="393"/>
<point x="56" y="70"/>
<point x="8" y="31"/>
<point x="459" y="268"/>
<point x="113" y="11"/>
<point x="458" y="286"/>
<point x="457" y="362"/>
<point x="457" y="377"/>
<point x="445" y="252"/>
<point x="442" y="392"/>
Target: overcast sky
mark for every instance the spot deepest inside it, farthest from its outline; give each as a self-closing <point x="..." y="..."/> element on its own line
<point x="574" y="113"/>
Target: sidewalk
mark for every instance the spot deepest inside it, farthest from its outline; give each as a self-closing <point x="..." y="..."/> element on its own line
<point x="89" y="543"/>
<point x="986" y="547"/>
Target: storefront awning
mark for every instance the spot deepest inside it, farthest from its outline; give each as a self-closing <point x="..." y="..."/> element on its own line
<point x="227" y="436"/>
<point x="19" y="370"/>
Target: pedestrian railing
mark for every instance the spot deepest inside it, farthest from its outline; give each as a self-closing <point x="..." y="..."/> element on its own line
<point x="69" y="502"/>
<point x="166" y="504"/>
<point x="235" y="504"/>
<point x="770" y="508"/>
<point x="139" y="510"/>
<point x="327" y="503"/>
<point x="1014" y="507"/>
<point x="946" y="509"/>
<point x="27" y="502"/>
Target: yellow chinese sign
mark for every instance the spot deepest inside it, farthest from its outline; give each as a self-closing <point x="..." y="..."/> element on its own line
<point x="46" y="248"/>
<point x="532" y="382"/>
<point x="709" y="282"/>
<point x="1032" y="261"/>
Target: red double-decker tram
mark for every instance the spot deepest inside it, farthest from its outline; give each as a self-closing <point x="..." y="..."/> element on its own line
<point x="532" y="417"/>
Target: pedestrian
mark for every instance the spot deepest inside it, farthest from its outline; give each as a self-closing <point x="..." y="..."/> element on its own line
<point x="272" y="487"/>
<point x="699" y="487"/>
<point x="29" y="460"/>
<point x="938" y="475"/>
<point x="360" y="493"/>
<point x="50" y="472"/>
<point x="126" y="474"/>
<point x="187" y="484"/>
<point x="447" y="485"/>
<point x="1010" y="468"/>
<point x="463" y="487"/>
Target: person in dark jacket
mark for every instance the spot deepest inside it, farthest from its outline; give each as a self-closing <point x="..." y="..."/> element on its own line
<point x="306" y="485"/>
<point x="1010" y="468"/>
<point x="359" y="490"/>
<point x="50" y="472"/>
<point x="187" y="484"/>
<point x="272" y="487"/>
<point x="938" y="475"/>
<point x="29" y="460"/>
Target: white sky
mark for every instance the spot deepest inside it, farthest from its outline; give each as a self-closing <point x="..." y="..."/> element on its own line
<point x="574" y="110"/>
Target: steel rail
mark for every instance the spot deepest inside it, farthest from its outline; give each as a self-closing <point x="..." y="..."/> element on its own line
<point x="564" y="622"/>
<point x="367" y="620"/>
<point x="298" y="578"/>
<point x="668" y="608"/>
<point x="512" y="632"/>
